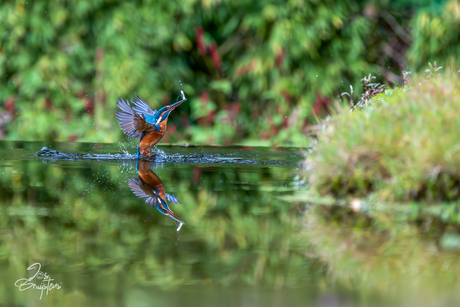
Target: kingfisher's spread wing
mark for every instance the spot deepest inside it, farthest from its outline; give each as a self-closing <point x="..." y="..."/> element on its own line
<point x="154" y="200"/>
<point x="141" y="106"/>
<point x="132" y="122"/>
<point x="172" y="199"/>
<point x="136" y="186"/>
<point x="143" y="109"/>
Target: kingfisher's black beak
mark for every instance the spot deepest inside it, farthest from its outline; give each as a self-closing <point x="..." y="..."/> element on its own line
<point x="173" y="216"/>
<point x="175" y="105"/>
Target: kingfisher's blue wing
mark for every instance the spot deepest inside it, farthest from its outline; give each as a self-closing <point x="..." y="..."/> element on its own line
<point x="172" y="199"/>
<point x="143" y="109"/>
<point x="141" y="106"/>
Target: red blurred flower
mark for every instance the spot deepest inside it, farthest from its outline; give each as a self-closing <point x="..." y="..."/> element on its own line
<point x="215" y="57"/>
<point x="204" y="97"/>
<point x="200" y="41"/>
<point x="279" y="58"/>
<point x="286" y="96"/>
<point x="89" y="106"/>
<point x="9" y="105"/>
<point x="172" y="128"/>
<point x="48" y="104"/>
<point x="196" y="175"/>
<point x="321" y="103"/>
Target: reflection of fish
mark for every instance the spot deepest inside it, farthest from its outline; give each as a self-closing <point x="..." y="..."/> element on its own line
<point x="141" y="121"/>
<point x="149" y="187"/>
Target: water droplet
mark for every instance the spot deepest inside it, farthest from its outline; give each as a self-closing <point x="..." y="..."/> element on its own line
<point x="316" y="76"/>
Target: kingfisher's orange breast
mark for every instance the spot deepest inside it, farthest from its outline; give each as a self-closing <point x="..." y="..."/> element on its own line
<point x="153" y="182"/>
<point x="152" y="137"/>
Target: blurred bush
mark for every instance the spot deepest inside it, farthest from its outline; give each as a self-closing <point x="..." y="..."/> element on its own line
<point x="435" y="36"/>
<point x="255" y="72"/>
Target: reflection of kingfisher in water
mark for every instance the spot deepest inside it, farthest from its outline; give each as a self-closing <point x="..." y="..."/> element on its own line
<point x="149" y="187"/>
<point x="141" y="121"/>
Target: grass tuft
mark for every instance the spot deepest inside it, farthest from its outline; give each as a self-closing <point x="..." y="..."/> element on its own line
<point x="405" y="147"/>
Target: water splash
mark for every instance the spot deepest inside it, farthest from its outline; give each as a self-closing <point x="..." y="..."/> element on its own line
<point x="158" y="153"/>
<point x="159" y="156"/>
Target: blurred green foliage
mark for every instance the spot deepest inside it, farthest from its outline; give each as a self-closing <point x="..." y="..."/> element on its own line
<point x="435" y="36"/>
<point x="255" y="72"/>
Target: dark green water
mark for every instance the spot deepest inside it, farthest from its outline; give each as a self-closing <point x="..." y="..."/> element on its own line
<point x="243" y="243"/>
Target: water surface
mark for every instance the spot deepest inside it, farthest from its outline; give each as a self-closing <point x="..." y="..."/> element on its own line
<point x="244" y="243"/>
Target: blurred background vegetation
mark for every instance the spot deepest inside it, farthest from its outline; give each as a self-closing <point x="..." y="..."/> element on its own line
<point x="255" y="72"/>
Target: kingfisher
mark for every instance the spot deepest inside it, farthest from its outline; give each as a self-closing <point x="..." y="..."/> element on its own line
<point x="141" y="121"/>
<point x="148" y="186"/>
